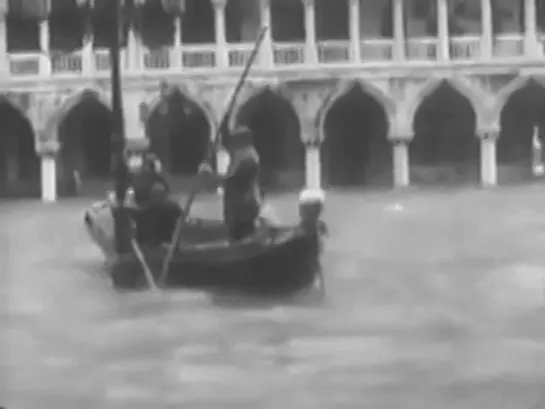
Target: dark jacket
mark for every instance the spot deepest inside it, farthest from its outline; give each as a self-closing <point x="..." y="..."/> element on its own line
<point x="242" y="197"/>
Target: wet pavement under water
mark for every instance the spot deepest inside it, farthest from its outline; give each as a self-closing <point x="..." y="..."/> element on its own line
<point x="435" y="300"/>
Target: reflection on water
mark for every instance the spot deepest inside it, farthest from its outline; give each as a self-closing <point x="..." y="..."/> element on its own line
<point x="432" y="305"/>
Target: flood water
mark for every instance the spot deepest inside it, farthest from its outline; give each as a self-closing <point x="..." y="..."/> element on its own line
<point x="435" y="299"/>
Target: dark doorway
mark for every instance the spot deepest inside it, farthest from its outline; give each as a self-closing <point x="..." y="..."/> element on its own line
<point x="19" y="164"/>
<point x="522" y="134"/>
<point x="356" y="150"/>
<point x="179" y="134"/>
<point x="277" y="138"/>
<point x="86" y="146"/>
<point x="445" y="149"/>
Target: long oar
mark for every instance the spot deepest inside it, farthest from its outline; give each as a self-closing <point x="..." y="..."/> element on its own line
<point x="142" y="260"/>
<point x="211" y="148"/>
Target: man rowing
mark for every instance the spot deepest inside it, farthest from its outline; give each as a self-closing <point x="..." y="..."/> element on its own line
<point x="155" y="213"/>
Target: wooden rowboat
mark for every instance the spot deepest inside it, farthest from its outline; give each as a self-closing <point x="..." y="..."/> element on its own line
<point x="277" y="261"/>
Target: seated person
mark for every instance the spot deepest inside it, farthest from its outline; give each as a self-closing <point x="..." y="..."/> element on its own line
<point x="242" y="197"/>
<point x="156" y="214"/>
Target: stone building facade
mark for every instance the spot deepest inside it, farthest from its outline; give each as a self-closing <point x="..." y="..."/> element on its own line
<point x="398" y="72"/>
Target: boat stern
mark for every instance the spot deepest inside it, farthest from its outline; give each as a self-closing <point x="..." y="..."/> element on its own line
<point x="99" y="224"/>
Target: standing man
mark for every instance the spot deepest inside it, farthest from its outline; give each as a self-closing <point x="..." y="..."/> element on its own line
<point x="242" y="194"/>
<point x="156" y="213"/>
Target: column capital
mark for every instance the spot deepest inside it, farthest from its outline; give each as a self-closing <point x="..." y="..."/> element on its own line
<point x="312" y="142"/>
<point x="489" y="135"/>
<point x="400" y="139"/>
<point x="219" y="4"/>
<point x="47" y="148"/>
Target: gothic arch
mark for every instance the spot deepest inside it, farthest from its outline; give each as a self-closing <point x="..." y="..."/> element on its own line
<point x="77" y="97"/>
<point x="346" y="86"/>
<point x="429" y="88"/>
<point x="19" y="162"/>
<point x="152" y="101"/>
<point x="256" y="93"/>
<point x="506" y="92"/>
<point x="4" y="97"/>
<point x="276" y="126"/>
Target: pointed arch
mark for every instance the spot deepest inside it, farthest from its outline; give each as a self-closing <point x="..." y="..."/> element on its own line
<point x="5" y="98"/>
<point x="521" y="116"/>
<point x="181" y="134"/>
<point x="502" y="97"/>
<point x="256" y="93"/>
<point x="387" y="103"/>
<point x="432" y="85"/>
<point x="75" y="98"/>
<point x="19" y="162"/>
<point x="152" y="100"/>
<point x="276" y="128"/>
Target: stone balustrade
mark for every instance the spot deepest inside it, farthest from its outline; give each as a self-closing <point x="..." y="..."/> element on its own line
<point x="200" y="59"/>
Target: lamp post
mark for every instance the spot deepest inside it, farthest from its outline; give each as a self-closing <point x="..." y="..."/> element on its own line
<point x="120" y="213"/>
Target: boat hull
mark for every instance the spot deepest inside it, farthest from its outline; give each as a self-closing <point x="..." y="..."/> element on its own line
<point x="276" y="262"/>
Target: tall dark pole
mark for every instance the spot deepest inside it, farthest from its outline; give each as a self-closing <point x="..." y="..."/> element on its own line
<point x="121" y="216"/>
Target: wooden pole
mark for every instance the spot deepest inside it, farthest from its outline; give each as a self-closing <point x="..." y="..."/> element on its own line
<point x="121" y="215"/>
<point x="211" y="150"/>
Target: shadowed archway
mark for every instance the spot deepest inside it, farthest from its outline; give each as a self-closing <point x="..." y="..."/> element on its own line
<point x="522" y="134"/>
<point x="85" y="134"/>
<point x="356" y="150"/>
<point x="179" y="133"/>
<point x="445" y="149"/>
<point x="276" y="130"/>
<point x="19" y="164"/>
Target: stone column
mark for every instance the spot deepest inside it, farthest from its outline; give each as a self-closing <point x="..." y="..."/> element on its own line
<point x="355" y="32"/>
<point x="222" y="162"/>
<point x="49" y="178"/>
<point x="530" y="29"/>
<point x="489" y="168"/>
<point x="400" y="154"/>
<point x="48" y="150"/>
<point x="308" y="101"/>
<point x="266" y="57"/>
<point x="176" y="54"/>
<point x="87" y="53"/>
<point x="313" y="166"/>
<point x="45" y="57"/>
<point x="4" y="64"/>
<point x="133" y="61"/>
<point x="399" y="31"/>
<point x="443" y="46"/>
<point x="222" y="51"/>
<point x="311" y="51"/>
<point x="487" y="35"/>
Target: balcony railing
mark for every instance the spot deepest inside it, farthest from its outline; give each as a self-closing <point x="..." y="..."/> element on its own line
<point x="465" y="48"/>
<point x="204" y="57"/>
<point x="288" y="54"/>
<point x="333" y="52"/>
<point x="422" y="49"/>
<point x="376" y="50"/>
<point x="508" y="46"/>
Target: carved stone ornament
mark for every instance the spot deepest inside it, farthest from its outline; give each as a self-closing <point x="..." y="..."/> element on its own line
<point x="217" y="98"/>
<point x="43" y="110"/>
<point x="47" y="147"/>
<point x="490" y="135"/>
<point x="309" y="103"/>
